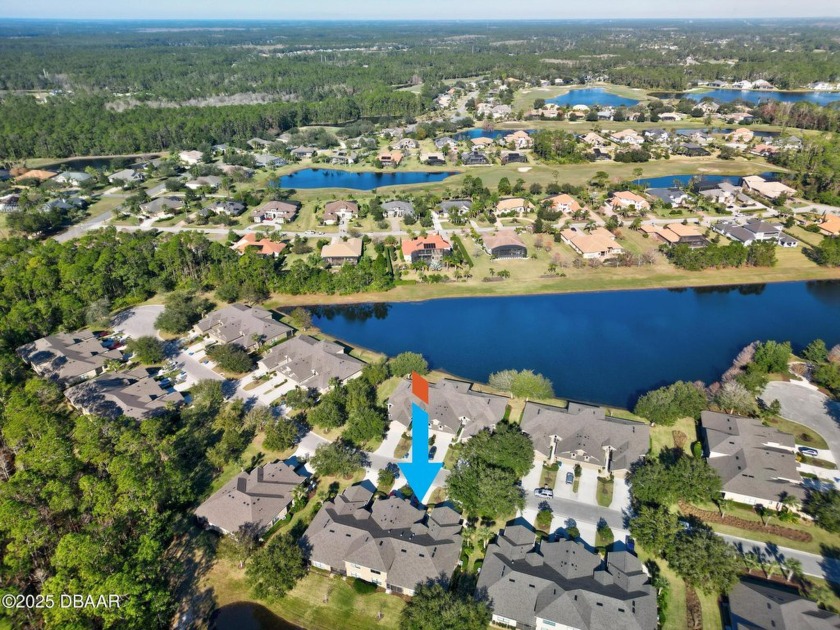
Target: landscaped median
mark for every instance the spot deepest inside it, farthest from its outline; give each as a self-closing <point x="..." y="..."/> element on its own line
<point x="755" y="526"/>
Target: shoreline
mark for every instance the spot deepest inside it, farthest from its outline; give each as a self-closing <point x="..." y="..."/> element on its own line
<point x="282" y="301"/>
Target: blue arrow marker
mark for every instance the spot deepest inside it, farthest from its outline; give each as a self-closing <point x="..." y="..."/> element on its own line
<point x="420" y="472"/>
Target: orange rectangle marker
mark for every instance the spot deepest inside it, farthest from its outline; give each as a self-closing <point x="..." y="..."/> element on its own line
<point x="420" y="387"/>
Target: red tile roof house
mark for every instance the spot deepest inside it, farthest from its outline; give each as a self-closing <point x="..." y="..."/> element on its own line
<point x="563" y="203"/>
<point x="263" y="246"/>
<point x="336" y="211"/>
<point x="431" y="247"/>
<point x="512" y="205"/>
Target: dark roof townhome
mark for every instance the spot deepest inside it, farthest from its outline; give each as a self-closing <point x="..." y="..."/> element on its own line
<point x="260" y="498"/>
<point x="390" y="543"/>
<point x="68" y="358"/>
<point x="311" y="363"/>
<point x="247" y="326"/>
<point x="454" y="407"/>
<point x="134" y="394"/>
<point x="757" y="464"/>
<point x="760" y="604"/>
<point x="563" y="585"/>
<point x="585" y="435"/>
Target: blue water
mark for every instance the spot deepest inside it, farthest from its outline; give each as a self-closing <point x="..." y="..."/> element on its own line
<point x="592" y="96"/>
<point x="472" y="134"/>
<point x="335" y="178"/>
<point x="604" y="347"/>
<point x="754" y="96"/>
<point x="670" y="180"/>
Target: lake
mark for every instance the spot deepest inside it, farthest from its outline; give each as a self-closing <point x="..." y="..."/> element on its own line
<point x="754" y="96"/>
<point x="606" y="347"/>
<point x="472" y="134"/>
<point x="666" y="181"/>
<point x="248" y="616"/>
<point x="592" y="96"/>
<point x="366" y="180"/>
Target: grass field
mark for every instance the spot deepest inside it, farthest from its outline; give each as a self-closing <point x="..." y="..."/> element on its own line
<point x="662" y="437"/>
<point x="803" y="434"/>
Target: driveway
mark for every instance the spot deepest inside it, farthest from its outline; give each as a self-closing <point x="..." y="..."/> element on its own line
<point x="588" y="487"/>
<point x="803" y="403"/>
<point x="389" y="444"/>
<point x="621" y="495"/>
<point x="138" y="321"/>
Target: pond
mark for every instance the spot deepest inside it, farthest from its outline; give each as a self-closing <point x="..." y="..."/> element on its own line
<point x="606" y="347"/>
<point x="364" y="180"/>
<point x="726" y="95"/>
<point x="590" y="97"/>
<point x="248" y="616"/>
<point x="472" y="134"/>
<point x="666" y="181"/>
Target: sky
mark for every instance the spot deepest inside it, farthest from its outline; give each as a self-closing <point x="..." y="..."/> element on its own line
<point x="414" y="9"/>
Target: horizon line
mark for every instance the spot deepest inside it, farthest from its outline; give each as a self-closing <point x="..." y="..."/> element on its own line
<point x="423" y="19"/>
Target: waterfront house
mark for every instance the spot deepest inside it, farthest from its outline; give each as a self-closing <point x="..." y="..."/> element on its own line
<point x="246" y="326"/>
<point x="585" y="435"/>
<point x="657" y="135"/>
<point x="433" y="159"/>
<point x="425" y="248"/>
<point x="205" y="181"/>
<point x="752" y="231"/>
<point x="505" y="244"/>
<point x="340" y="251"/>
<point x="561" y="584"/>
<point x="769" y="189"/>
<point x="691" y="149"/>
<point x="627" y="200"/>
<point x="267" y="160"/>
<point x="390" y="158"/>
<point x="594" y="140"/>
<point x="677" y="234"/>
<point x="598" y="244"/>
<point x="276" y="212"/>
<point x="40" y="174"/>
<point x="134" y="394"/>
<point x="67" y="358"/>
<point x="724" y="192"/>
<point x="755" y="603"/>
<point x="519" y="139"/>
<point x="258" y="498"/>
<point x="263" y="246"/>
<point x="513" y="205"/>
<point x="445" y="143"/>
<point x="741" y="136"/>
<point x="312" y="364"/>
<point x="757" y="464"/>
<point x="339" y="211"/>
<point x="674" y="197"/>
<point x="509" y="157"/>
<point x="126" y="176"/>
<point x="454" y="408"/>
<point x="74" y="178"/>
<point x="481" y="142"/>
<point x="474" y="158"/>
<point x="302" y="153"/>
<point x="388" y="542"/>
<point x="398" y="208"/>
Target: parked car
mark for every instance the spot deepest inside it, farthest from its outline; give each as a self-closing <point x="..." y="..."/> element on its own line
<point x="570" y="478"/>
<point x="545" y="493"/>
<point x="807" y="450"/>
<point x="432" y="452"/>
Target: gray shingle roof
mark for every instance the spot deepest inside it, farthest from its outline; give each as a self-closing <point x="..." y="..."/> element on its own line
<point x="256" y="497"/>
<point x="449" y="402"/>
<point x="565" y="584"/>
<point x="585" y="431"/>
<point x="134" y="394"/>
<point x="312" y="363"/>
<point x="66" y="357"/>
<point x="755" y="605"/>
<point x="237" y="323"/>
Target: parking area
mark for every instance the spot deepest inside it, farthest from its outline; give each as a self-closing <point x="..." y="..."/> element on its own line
<point x="138" y="321"/>
<point x="621" y="495"/>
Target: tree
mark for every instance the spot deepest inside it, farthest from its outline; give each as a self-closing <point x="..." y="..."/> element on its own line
<point x="522" y="384"/>
<point x="505" y="447"/>
<point x="245" y="541"/>
<point x="827" y="253"/>
<point x="483" y="490"/>
<point x="365" y="425"/>
<point x="337" y="458"/>
<point x="181" y="312"/>
<point x="231" y="358"/>
<point x="301" y="318"/>
<point x="146" y="349"/>
<point x="275" y="569"/>
<point x="328" y="415"/>
<point x="433" y="607"/>
<point x="386" y="476"/>
<point x="543" y="521"/>
<point x="734" y="398"/>
<point x="674" y="476"/>
<point x="824" y="507"/>
<point x="772" y="356"/>
<point x="816" y="351"/>
<point x="280" y="434"/>
<point x="98" y="312"/>
<point x="704" y="560"/>
<point x="668" y="404"/>
<point x="828" y="375"/>
<point x="655" y="528"/>
<point x="407" y="362"/>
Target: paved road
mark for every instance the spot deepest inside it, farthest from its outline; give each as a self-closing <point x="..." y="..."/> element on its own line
<point x="812" y="564"/>
<point x="92" y="223"/>
<point x="803" y="403"/>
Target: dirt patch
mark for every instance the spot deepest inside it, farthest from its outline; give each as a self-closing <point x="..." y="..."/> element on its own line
<point x="680" y="439"/>
<point x="755" y="526"/>
<point x="693" y="610"/>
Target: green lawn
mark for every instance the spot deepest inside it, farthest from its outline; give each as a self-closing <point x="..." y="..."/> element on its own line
<point x="548" y="477"/>
<point x="605" y="491"/>
<point x="662" y="437"/>
<point x="804" y="435"/>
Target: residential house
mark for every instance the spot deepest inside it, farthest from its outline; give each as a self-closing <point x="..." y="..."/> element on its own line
<point x="691" y="149"/>
<point x="340" y="251"/>
<point x="40" y="174"/>
<point x="134" y="394"/>
<point x="765" y="150"/>
<point x="263" y="246"/>
<point x="454" y="408"/>
<point x="205" y="181"/>
<point x="624" y="200"/>
<point x="425" y="248"/>
<point x="674" y="197"/>
<point x="433" y="159"/>
<point x="585" y="435"/>
<point x="390" y="543"/>
<point x="561" y="584"/>
<point x="191" y="158"/>
<point x="757" y="464"/>
<point x="312" y="364"/>
<point x="9" y="203"/>
<point x="267" y="160"/>
<point x="671" y="116"/>
<point x="519" y="139"/>
<point x="227" y="207"/>
<point x="513" y="205"/>
<point x="302" y="153"/>
<point x="594" y="140"/>
<point x="757" y="603"/>
<point x="657" y="135"/>
<point x="259" y="143"/>
<point x="405" y="144"/>
<point x="724" y="192"/>
<point x="342" y="157"/>
<point x="259" y="498"/>
<point x="598" y="244"/>
<point x="161" y="206"/>
<point x="628" y="136"/>
<point x="390" y="158"/>
<point x="505" y="244"/>
<point x="509" y="157"/>
<point x="246" y="326"/>
<point x="126" y="176"/>
<point x="830" y="225"/>
<point x="445" y="143"/>
<point x="752" y="231"/>
<point x="339" y="211"/>
<point x="563" y="203"/>
<point x="474" y="158"/>
<point x="276" y="212"/>
<point x="769" y="189"/>
<point x="67" y="358"/>
<point x="458" y="207"/>
<point x="741" y="136"/>
<point x="677" y="234"/>
<point x="481" y="143"/>
<point x="398" y="208"/>
<point x="74" y="178"/>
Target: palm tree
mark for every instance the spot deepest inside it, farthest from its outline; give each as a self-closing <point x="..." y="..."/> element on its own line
<point x="492" y="272"/>
<point x="793" y="568"/>
<point x="763" y="513"/>
<point x="723" y="505"/>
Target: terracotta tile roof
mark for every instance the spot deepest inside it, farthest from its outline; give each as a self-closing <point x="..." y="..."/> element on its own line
<point x="267" y="247"/>
<point x="432" y="241"/>
<point x="564" y="200"/>
<point x="831" y="225"/>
